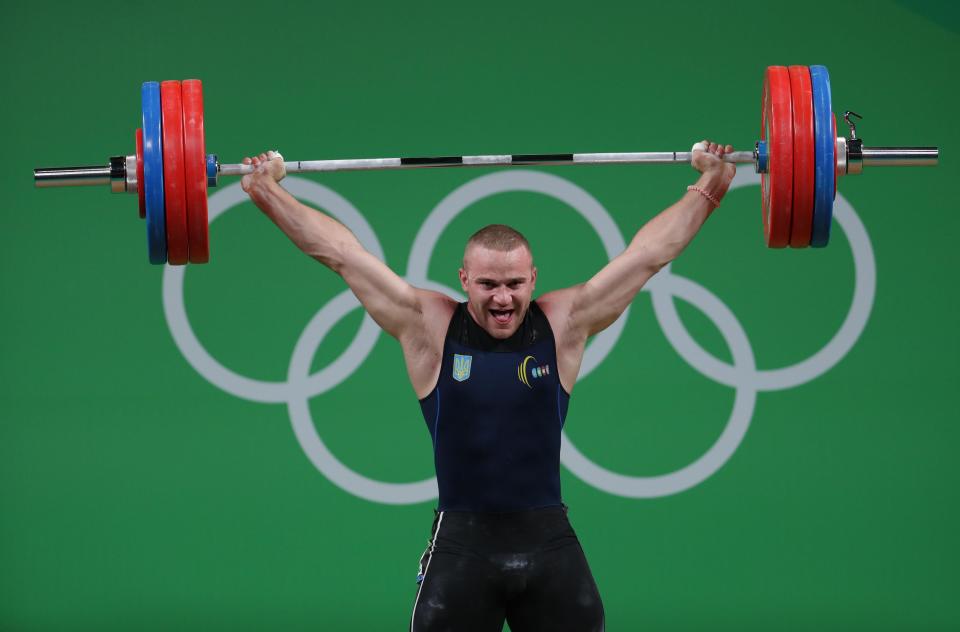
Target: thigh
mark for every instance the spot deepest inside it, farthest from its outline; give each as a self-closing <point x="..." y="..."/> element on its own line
<point x="460" y="592"/>
<point x="560" y="595"/>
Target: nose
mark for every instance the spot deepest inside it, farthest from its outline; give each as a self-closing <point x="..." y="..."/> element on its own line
<point x="502" y="297"/>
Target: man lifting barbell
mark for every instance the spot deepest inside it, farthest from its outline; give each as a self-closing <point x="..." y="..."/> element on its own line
<point x="494" y="374"/>
<point x="494" y="377"/>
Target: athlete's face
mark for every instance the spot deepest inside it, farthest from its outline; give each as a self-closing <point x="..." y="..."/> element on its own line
<point x="499" y="286"/>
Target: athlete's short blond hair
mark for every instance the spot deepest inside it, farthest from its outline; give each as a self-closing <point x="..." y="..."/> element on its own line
<point x="498" y="237"/>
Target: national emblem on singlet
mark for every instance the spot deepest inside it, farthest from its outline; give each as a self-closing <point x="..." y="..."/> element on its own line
<point x="461" y="367"/>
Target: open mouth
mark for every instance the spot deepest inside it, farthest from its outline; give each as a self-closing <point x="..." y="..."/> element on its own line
<point x="502" y="316"/>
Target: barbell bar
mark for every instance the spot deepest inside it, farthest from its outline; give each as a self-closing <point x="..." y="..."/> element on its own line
<point x="799" y="156"/>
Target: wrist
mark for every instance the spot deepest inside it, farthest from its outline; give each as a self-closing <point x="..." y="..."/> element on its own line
<point x="261" y="186"/>
<point x="714" y="202"/>
<point x="714" y="183"/>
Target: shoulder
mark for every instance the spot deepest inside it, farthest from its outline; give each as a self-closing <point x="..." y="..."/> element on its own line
<point x="558" y="304"/>
<point x="435" y="304"/>
<point x="434" y="311"/>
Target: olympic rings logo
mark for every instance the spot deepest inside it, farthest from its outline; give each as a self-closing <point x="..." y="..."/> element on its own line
<point x="742" y="375"/>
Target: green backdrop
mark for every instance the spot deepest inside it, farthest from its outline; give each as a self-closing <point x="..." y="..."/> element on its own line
<point x="137" y="493"/>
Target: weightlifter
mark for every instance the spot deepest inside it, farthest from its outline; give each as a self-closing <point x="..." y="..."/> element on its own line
<point x="494" y="377"/>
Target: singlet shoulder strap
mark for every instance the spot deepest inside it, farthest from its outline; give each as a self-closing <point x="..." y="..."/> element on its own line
<point x="464" y="330"/>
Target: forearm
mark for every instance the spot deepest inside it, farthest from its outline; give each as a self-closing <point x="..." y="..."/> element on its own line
<point x="392" y="302"/>
<point x="601" y="300"/>
<point x="663" y="238"/>
<point x="316" y="234"/>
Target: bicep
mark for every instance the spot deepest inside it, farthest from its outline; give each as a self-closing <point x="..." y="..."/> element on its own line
<point x="392" y="302"/>
<point x="602" y="299"/>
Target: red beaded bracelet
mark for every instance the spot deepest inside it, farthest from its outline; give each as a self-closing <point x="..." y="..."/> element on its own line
<point x="703" y="192"/>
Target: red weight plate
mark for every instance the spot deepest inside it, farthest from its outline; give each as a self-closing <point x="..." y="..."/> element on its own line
<point x="801" y="222"/>
<point x="173" y="181"/>
<point x="140" y="187"/>
<point x="195" y="171"/>
<point x="776" y="127"/>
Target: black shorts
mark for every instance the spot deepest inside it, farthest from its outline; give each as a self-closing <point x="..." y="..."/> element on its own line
<point x="524" y="567"/>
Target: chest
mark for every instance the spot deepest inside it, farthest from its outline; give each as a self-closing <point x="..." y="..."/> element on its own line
<point x="523" y="381"/>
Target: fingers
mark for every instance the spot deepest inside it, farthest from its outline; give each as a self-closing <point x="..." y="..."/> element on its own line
<point x="262" y="157"/>
<point x="711" y="147"/>
<point x="266" y="156"/>
<point x="707" y="146"/>
<point x="256" y="160"/>
<point x="269" y="163"/>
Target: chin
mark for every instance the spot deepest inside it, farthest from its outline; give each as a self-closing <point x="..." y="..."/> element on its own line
<point x="503" y="330"/>
<point x="501" y="333"/>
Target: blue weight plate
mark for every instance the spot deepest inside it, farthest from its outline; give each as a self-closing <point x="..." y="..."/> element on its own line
<point x="824" y="159"/>
<point x="153" y="173"/>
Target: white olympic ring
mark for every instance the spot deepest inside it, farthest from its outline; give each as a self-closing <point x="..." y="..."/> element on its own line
<point x="742" y="374"/>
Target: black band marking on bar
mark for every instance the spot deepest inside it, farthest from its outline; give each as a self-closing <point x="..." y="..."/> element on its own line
<point x="436" y="160"/>
<point x="519" y="159"/>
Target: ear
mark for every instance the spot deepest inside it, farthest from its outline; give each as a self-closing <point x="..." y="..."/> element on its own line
<point x="533" y="278"/>
<point x="463" y="279"/>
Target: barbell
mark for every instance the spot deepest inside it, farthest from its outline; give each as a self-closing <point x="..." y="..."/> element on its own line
<point x="799" y="156"/>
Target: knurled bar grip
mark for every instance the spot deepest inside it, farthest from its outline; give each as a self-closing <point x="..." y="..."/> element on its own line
<point x="499" y="160"/>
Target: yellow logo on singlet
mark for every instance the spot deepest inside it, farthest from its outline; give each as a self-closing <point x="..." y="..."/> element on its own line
<point x="524" y="375"/>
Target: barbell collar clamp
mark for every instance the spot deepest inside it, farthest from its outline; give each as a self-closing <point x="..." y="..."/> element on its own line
<point x="761" y="156"/>
<point x="118" y="174"/>
<point x="130" y="182"/>
<point x="854" y="156"/>
<point x="213" y="170"/>
<point x="841" y="156"/>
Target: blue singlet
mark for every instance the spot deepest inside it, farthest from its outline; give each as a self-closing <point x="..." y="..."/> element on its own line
<point x="495" y="417"/>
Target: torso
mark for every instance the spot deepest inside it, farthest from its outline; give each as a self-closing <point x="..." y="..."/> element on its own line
<point x="495" y="416"/>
